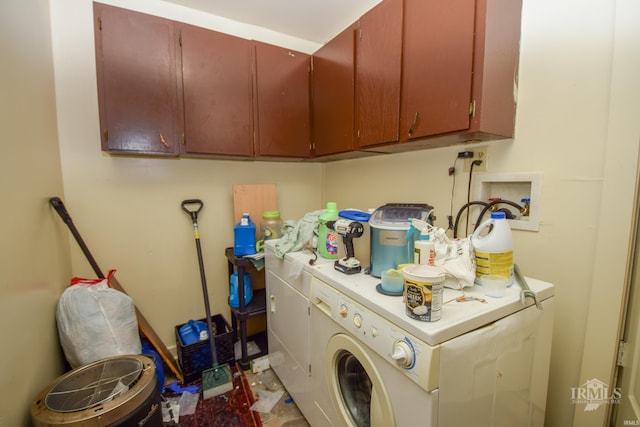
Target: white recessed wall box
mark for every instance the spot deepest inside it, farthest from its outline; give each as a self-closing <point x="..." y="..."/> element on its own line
<point x="514" y="187"/>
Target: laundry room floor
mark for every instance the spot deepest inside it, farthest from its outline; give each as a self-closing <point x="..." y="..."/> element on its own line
<point x="285" y="413"/>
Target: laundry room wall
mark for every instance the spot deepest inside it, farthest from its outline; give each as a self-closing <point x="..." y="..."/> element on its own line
<point x="34" y="262"/>
<point x="128" y="208"/>
<point x="577" y="124"/>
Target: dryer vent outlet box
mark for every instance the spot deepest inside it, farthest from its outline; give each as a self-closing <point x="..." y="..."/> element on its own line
<point x="513" y="187"/>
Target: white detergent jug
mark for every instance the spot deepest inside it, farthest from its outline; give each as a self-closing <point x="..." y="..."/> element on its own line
<point x="494" y="252"/>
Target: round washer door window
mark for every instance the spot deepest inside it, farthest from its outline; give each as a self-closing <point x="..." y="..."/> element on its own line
<point x="355" y="385"/>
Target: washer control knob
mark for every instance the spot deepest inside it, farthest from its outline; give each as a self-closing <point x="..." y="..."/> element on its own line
<point x="343" y="311"/>
<point x="357" y="320"/>
<point x="402" y="353"/>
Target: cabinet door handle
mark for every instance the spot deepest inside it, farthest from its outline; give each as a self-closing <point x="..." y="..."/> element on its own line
<point x="413" y="123"/>
<point x="272" y="303"/>
<point x="164" y="142"/>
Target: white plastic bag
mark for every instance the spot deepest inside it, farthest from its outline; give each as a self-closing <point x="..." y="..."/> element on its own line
<point x="456" y="257"/>
<point x="95" y="322"/>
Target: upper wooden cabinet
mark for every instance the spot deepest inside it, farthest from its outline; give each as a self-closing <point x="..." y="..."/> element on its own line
<point x="283" y="120"/>
<point x="332" y="82"/>
<point x="218" y="97"/>
<point x="426" y="73"/>
<point x="437" y="67"/>
<point x="168" y="88"/>
<point x="409" y="74"/>
<point x="459" y="71"/>
<point x="378" y="46"/>
<point x="495" y="72"/>
<point x="137" y="83"/>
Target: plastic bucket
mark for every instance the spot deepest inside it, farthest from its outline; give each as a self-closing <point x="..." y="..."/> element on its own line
<point x="423" y="287"/>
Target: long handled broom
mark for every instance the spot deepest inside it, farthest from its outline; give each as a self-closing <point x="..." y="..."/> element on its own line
<point x="216" y="380"/>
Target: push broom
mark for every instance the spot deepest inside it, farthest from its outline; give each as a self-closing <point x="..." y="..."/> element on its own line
<point x="216" y="380"/>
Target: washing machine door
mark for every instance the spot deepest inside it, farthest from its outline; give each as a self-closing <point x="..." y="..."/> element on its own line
<point x="355" y="385"/>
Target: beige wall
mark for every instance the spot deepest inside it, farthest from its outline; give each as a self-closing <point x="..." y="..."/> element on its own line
<point x="619" y="197"/>
<point x="34" y="261"/>
<point x="127" y="209"/>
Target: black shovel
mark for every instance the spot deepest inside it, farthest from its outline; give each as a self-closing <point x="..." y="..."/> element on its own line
<point x="196" y="206"/>
<point x="216" y="380"/>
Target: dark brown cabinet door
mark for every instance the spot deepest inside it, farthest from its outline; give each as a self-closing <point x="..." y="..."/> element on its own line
<point x="437" y="67"/>
<point x="495" y="69"/>
<point x="332" y="79"/>
<point x="283" y="127"/>
<point x="217" y="91"/>
<point x="378" y="74"/>
<point x="137" y="86"/>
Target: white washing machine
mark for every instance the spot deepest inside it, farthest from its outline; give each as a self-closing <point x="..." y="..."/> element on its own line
<point x="356" y="379"/>
<point x="481" y="364"/>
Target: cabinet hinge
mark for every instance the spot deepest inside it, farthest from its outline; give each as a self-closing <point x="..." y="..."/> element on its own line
<point x="472" y="108"/>
<point x="105" y="133"/>
<point x="360" y="33"/>
<point x="622" y="352"/>
<point x="100" y="24"/>
<point x="180" y="40"/>
<point x="183" y="139"/>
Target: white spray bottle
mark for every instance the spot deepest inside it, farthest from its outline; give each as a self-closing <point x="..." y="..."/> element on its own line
<point x="424" y="251"/>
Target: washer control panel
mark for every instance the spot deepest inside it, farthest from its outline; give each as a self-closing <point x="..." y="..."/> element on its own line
<point x="415" y="358"/>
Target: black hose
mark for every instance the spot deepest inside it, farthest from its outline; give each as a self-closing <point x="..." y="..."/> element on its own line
<point x="473" y="163"/>
<point x="462" y="209"/>
<point x="493" y="203"/>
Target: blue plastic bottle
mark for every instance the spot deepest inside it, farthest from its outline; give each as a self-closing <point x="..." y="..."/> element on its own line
<point x="244" y="237"/>
<point x="234" y="294"/>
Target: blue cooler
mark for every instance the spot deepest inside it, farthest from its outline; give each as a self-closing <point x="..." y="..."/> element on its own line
<point x="389" y="225"/>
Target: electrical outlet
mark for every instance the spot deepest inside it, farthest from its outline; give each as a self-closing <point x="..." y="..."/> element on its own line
<point x="479" y="153"/>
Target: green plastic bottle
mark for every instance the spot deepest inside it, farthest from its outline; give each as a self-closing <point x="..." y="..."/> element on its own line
<point x="328" y="240"/>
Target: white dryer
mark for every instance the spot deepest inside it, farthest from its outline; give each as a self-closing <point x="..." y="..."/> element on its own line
<point x="371" y="365"/>
<point x="288" y="327"/>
